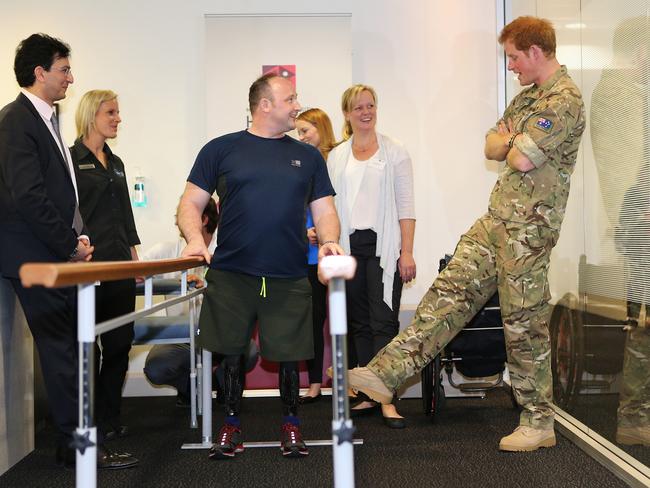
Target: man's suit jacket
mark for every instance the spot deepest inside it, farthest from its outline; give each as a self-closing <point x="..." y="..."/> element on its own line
<point x="37" y="197"/>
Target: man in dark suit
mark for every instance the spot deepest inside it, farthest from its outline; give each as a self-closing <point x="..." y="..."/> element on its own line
<point x="40" y="221"/>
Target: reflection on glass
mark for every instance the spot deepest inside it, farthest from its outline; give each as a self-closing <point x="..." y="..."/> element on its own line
<point x="600" y="326"/>
<point x="633" y="239"/>
<point x="619" y="111"/>
<point x="601" y="333"/>
<point x="619" y="117"/>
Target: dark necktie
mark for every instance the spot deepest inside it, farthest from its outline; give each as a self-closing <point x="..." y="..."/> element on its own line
<point x="77" y="221"/>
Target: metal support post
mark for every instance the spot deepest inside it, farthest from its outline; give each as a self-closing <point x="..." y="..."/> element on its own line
<point x="193" y="378"/>
<point x="85" y="436"/>
<point x="148" y="292"/>
<point x="193" y="398"/>
<point x="337" y="269"/>
<point x="206" y="418"/>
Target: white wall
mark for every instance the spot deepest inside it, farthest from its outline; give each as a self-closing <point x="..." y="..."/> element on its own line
<point x="260" y="40"/>
<point x="433" y="64"/>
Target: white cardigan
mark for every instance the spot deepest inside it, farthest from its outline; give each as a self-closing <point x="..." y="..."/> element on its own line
<point x="389" y="238"/>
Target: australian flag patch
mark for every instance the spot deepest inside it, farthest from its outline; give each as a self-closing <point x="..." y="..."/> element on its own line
<point x="544" y="124"/>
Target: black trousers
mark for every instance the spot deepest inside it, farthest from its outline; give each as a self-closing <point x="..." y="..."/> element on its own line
<point x="319" y="312"/>
<point x="371" y="321"/>
<point x="52" y="318"/>
<point x="112" y="299"/>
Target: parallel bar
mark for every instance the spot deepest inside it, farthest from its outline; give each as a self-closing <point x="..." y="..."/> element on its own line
<point x="193" y="389"/>
<point x="133" y="316"/>
<point x="199" y="379"/>
<point x="193" y="420"/>
<point x="206" y="418"/>
<point x="86" y="384"/>
<point x="86" y="463"/>
<point x="148" y="292"/>
<point x="184" y="283"/>
<point x="56" y="275"/>
<point x="342" y="428"/>
<point x="340" y="403"/>
<point x="85" y="276"/>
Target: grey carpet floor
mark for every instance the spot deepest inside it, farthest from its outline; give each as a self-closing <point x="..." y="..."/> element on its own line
<point x="459" y="450"/>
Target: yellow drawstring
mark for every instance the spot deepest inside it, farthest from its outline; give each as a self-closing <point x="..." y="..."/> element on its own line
<point x="263" y="290"/>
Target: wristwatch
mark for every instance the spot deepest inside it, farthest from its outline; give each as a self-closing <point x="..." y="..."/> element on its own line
<point x="74" y="253"/>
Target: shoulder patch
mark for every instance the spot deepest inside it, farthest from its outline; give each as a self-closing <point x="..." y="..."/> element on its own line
<point x="544" y="124"/>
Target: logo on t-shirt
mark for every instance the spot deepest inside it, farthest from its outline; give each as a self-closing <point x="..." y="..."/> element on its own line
<point x="295" y="163"/>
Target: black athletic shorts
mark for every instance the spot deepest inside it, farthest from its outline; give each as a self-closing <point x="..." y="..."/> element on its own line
<point x="234" y="302"/>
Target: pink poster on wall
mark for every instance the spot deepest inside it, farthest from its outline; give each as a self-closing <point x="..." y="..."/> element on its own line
<point x="287" y="71"/>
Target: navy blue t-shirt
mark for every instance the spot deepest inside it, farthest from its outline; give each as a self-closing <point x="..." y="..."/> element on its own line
<point x="264" y="188"/>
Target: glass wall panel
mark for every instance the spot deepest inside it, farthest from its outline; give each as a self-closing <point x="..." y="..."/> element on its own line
<point x="600" y="269"/>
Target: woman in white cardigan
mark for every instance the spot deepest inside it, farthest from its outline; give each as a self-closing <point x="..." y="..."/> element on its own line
<point x="373" y="179"/>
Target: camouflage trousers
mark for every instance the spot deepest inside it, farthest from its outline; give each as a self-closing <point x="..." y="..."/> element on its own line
<point x="512" y="258"/>
<point x="634" y="403"/>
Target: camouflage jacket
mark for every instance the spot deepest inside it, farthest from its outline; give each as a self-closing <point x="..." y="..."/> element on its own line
<point x="551" y="119"/>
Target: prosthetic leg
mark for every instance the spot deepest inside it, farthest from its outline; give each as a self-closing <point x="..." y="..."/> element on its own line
<point x="291" y="442"/>
<point x="229" y="441"/>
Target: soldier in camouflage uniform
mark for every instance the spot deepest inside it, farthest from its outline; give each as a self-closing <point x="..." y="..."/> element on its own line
<point x="633" y="240"/>
<point x="634" y="408"/>
<point x="509" y="248"/>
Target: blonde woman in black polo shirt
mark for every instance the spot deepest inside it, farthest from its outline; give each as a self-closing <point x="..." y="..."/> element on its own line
<point x="106" y="209"/>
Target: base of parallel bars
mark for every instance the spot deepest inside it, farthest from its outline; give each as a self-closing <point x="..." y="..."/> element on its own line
<point x="86" y="463"/>
<point x="273" y="444"/>
<point x="197" y="445"/>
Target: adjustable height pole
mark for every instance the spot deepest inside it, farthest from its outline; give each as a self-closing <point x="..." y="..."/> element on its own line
<point x="85" y="437"/>
<point x="206" y="419"/>
<point x="337" y="269"/>
<point x="193" y="400"/>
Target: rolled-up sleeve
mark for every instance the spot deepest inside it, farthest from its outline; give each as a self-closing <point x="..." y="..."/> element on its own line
<point x="546" y="129"/>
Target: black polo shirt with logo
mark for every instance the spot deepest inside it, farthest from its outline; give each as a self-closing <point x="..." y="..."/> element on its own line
<point x="104" y="203"/>
<point x="264" y="188"/>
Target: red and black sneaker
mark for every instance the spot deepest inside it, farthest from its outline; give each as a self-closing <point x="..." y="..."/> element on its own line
<point x="228" y="444"/>
<point x="291" y="443"/>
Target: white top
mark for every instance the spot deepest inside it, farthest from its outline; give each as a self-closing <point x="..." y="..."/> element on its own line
<point x="359" y="204"/>
<point x="45" y="110"/>
<point x="390" y="173"/>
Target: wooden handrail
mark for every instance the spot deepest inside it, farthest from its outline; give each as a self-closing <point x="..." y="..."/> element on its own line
<point x="55" y="275"/>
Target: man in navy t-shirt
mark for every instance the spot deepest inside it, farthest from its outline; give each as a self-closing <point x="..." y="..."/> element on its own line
<point x="265" y="181"/>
